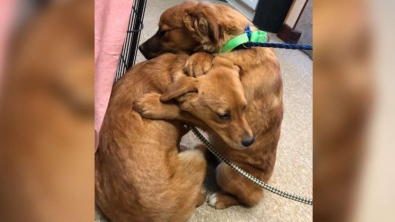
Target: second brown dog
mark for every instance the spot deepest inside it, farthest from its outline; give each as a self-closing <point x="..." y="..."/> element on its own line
<point x="207" y="27"/>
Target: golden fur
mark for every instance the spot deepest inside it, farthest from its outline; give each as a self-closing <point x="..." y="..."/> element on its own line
<point x="208" y="27"/>
<point x="192" y="27"/>
<point x="140" y="176"/>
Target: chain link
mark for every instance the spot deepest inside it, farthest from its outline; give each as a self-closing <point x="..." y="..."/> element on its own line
<point x="247" y="175"/>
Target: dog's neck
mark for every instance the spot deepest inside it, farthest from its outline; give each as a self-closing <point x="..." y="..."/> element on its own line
<point x="257" y="56"/>
<point x="227" y="33"/>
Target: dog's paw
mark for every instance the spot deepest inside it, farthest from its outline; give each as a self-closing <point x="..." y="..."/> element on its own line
<point x="198" y="64"/>
<point x="214" y="202"/>
<point x="148" y="105"/>
<point x="219" y="201"/>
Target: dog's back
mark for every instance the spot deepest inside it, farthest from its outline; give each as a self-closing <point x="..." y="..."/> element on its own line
<point x="137" y="172"/>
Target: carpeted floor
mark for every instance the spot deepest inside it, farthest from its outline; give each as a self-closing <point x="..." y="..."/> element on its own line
<point x="293" y="172"/>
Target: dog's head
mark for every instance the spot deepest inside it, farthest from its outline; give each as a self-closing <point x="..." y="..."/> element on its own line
<point x="192" y="27"/>
<point x="217" y="99"/>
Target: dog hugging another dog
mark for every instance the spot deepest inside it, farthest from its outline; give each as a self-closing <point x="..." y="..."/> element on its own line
<point x="236" y="97"/>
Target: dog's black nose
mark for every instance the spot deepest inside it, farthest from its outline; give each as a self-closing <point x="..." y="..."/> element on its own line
<point x="248" y="142"/>
<point x="142" y="48"/>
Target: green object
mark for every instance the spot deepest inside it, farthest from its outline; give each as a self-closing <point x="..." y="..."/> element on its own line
<point x="256" y="37"/>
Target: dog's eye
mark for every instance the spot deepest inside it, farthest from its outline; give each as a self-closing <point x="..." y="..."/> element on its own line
<point x="225" y="116"/>
<point x="244" y="108"/>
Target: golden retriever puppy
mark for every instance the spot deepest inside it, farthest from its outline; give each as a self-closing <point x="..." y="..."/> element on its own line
<point x="193" y="27"/>
<point x="140" y="176"/>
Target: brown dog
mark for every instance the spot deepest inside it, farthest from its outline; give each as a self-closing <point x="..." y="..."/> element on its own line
<point x="47" y="114"/>
<point x="207" y="27"/>
<point x="140" y="176"/>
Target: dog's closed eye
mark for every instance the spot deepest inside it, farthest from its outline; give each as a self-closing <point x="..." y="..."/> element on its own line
<point x="225" y="116"/>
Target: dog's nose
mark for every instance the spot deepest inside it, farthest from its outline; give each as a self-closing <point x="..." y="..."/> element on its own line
<point x="142" y="48"/>
<point x="248" y="142"/>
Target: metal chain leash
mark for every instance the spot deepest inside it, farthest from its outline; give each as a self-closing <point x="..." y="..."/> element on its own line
<point x="247" y="175"/>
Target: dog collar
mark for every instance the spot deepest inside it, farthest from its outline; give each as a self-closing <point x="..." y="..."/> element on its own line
<point x="245" y="39"/>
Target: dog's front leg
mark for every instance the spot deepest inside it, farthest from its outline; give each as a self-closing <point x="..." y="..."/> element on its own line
<point x="149" y="106"/>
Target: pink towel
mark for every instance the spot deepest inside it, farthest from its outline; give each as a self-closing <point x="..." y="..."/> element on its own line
<point x="111" y="21"/>
<point x="7" y="15"/>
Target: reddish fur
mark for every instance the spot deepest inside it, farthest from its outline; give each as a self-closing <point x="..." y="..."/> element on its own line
<point x="47" y="115"/>
<point x="140" y="176"/>
<point x="261" y="78"/>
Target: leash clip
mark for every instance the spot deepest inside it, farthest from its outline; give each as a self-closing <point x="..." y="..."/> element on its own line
<point x="247" y="40"/>
<point x="248" y="32"/>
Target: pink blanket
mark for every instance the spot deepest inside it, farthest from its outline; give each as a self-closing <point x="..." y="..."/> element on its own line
<point x="111" y="20"/>
<point x="7" y="15"/>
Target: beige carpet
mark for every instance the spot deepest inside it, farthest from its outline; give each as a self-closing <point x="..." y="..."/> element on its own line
<point x="293" y="172"/>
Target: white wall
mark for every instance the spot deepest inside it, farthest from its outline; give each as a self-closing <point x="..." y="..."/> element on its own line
<point x="294" y="12"/>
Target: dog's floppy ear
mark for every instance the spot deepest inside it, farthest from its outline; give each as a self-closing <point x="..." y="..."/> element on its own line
<point x="202" y="21"/>
<point x="179" y="88"/>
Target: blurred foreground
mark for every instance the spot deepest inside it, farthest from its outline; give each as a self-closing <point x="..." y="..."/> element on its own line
<point x="348" y="102"/>
<point x="46" y="115"/>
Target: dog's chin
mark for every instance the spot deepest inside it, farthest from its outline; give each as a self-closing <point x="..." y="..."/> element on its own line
<point x="239" y="147"/>
<point x="234" y="145"/>
<point x="149" y="55"/>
